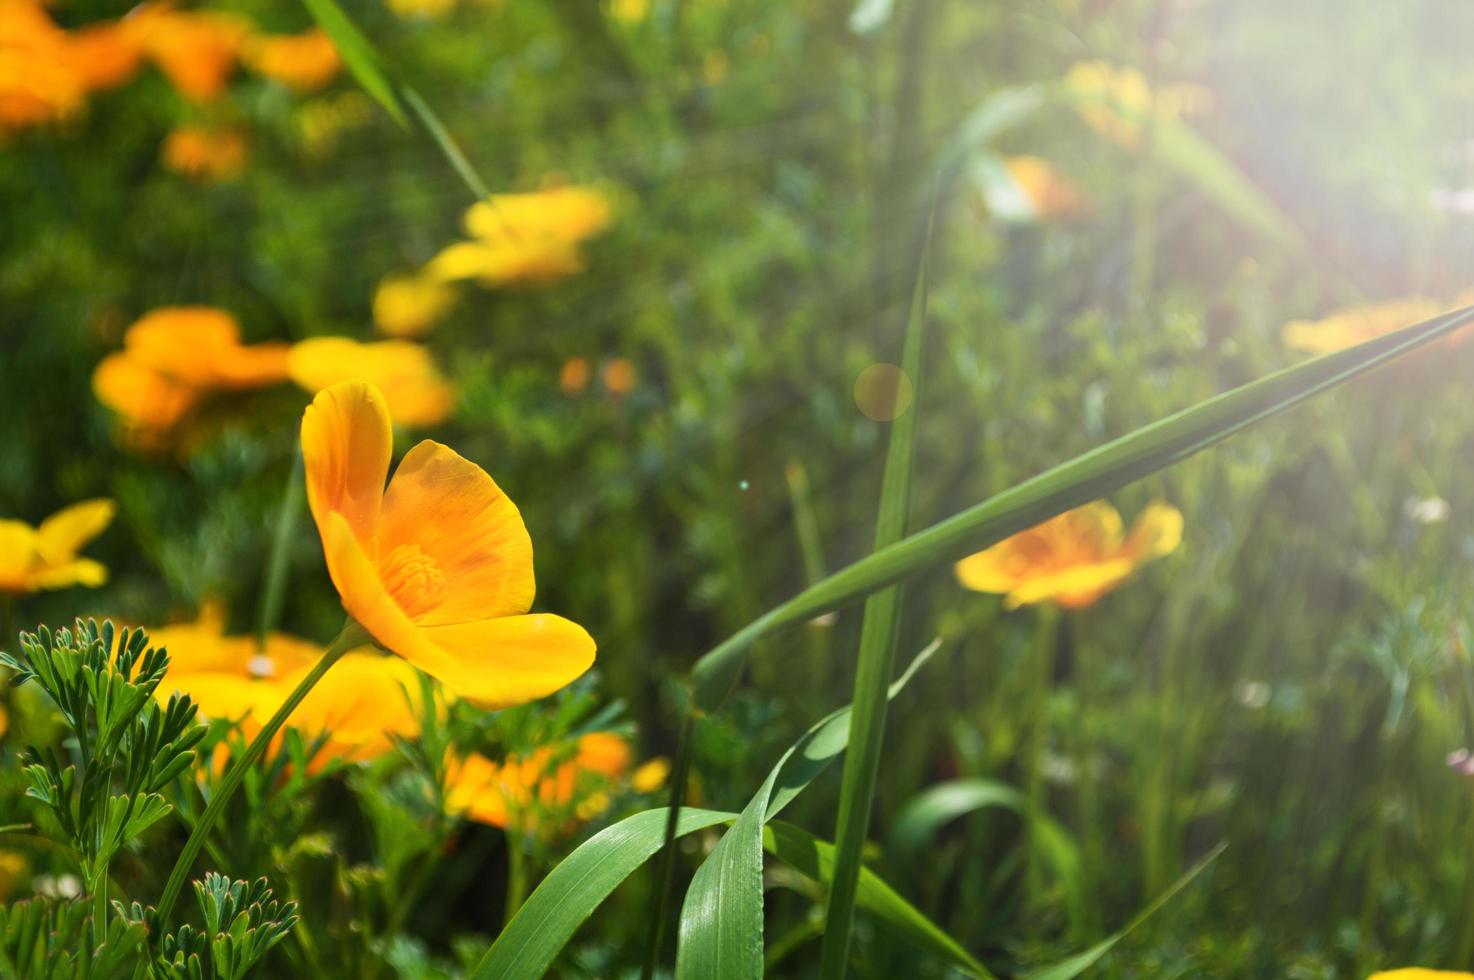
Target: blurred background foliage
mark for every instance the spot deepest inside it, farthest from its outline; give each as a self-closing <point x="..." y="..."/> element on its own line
<point x="1290" y="680"/>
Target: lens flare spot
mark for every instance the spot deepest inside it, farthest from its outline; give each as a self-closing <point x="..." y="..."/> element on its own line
<point x="883" y="392"/>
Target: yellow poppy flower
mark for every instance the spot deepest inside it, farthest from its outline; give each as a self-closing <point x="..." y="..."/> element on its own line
<point x="547" y="785"/>
<point x="421" y="9"/>
<point x="438" y="567"/>
<point x="1420" y="973"/>
<point x="403" y="372"/>
<point x="303" y="62"/>
<point x="45" y="557"/>
<point x="205" y="154"/>
<point x="409" y="305"/>
<point x="357" y="706"/>
<point x="195" y="50"/>
<point x="629" y="11"/>
<point x="1073" y="559"/>
<point x="1357" y="324"/>
<point x="172" y="358"/>
<point x="1116" y="100"/>
<point x="1050" y="194"/>
<point x="525" y="238"/>
<point x="573" y="377"/>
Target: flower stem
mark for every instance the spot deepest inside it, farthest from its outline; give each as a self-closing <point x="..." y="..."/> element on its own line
<point x="351" y="637"/>
<point x="274" y="587"/>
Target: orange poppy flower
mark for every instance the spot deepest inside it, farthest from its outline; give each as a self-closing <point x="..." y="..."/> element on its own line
<point x="1073" y="559"/>
<point x="303" y="62"/>
<point x="403" y="372"/>
<point x="1048" y="193"/>
<point x="196" y="51"/>
<point x="438" y="567"/>
<point x="619" y="377"/>
<point x="205" y="154"/>
<point x="573" y="377"/>
<point x="45" y="557"/>
<point x="409" y="305"/>
<point x="549" y="785"/>
<point x="357" y="706"/>
<point x="105" y="54"/>
<point x="39" y="82"/>
<point x="172" y="358"/>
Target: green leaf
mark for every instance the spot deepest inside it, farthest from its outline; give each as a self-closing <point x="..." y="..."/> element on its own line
<point x="938" y="805"/>
<point x="721" y="919"/>
<point x="1080" y="962"/>
<point x="358" y="54"/>
<point x="814" y="859"/>
<point x="879" y="634"/>
<point x="571" y="892"/>
<point x="1078" y="481"/>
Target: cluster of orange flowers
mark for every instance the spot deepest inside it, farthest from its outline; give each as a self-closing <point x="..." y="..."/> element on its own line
<point x="515" y="239"/>
<point x="174" y="358"/>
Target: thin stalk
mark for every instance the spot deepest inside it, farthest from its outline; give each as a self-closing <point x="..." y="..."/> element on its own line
<point x="99" y="906"/>
<point x="1089" y="681"/>
<point x="446" y="142"/>
<point x="274" y="586"/>
<point x="665" y="877"/>
<point x="516" y="878"/>
<point x="352" y="636"/>
<point x="1037" y="791"/>
<point x="879" y="632"/>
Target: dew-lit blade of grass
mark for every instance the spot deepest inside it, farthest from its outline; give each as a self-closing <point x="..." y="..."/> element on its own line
<point x="1070" y="484"/>
<point x="814" y="859"/>
<point x="879" y="633"/>
<point x="722" y="918"/>
<point x="1080" y="962"/>
<point x="938" y="805"/>
<point x="359" y="55"/>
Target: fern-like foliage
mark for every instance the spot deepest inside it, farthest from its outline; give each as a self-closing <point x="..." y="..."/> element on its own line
<point x="241" y="923"/>
<point x="53" y="939"/>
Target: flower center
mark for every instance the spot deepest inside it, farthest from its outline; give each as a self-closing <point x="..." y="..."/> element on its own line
<point x="413" y="579"/>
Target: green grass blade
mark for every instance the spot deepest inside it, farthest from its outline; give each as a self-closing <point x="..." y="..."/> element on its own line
<point x="571" y="892"/>
<point x="939" y="805"/>
<point x="815" y="859"/>
<point x="1078" y="481"/>
<point x="879" y="634"/>
<point x="722" y="917"/>
<point x="359" y="55"/>
<point x="1080" y="962"/>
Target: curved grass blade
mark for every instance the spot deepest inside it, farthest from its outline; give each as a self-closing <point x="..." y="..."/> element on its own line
<point x="1080" y="962"/>
<point x="1070" y="484"/>
<point x="359" y="55"/>
<point x="939" y="805"/>
<point x="879" y="634"/>
<point x="814" y="858"/>
<point x="571" y="892"/>
<point x="722" y="918"/>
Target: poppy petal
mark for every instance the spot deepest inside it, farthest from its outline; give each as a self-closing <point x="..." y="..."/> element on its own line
<point x="64" y="533"/>
<point x="346" y="443"/>
<point x="509" y="660"/>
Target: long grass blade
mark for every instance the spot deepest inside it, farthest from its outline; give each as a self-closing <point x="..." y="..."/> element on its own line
<point x="1070" y="484"/>
<point x="361" y="57"/>
<point x="879" y="633"/>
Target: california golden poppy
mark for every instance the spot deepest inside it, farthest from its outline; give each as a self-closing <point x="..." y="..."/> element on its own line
<point x="409" y="305"/>
<point x="203" y="153"/>
<point x="195" y="50"/>
<point x="549" y="785"/>
<point x="45" y="557"/>
<point x="1073" y="559"/>
<point x="1357" y="324"/>
<point x="172" y="358"/>
<point x="1420" y="973"/>
<point x="525" y="238"/>
<point x="1116" y="100"/>
<point x="438" y="566"/>
<point x="1049" y="193"/>
<point x="39" y="82"/>
<point x="403" y="373"/>
<point x="303" y="62"/>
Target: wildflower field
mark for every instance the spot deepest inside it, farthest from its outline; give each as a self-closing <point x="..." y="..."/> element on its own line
<point x="734" y="488"/>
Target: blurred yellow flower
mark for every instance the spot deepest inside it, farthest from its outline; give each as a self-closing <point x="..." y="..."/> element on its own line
<point x="438" y="567"/>
<point x="321" y="122"/>
<point x="1116" y="100"/>
<point x="1073" y="559"/>
<point x="45" y="557"/>
<point x="421" y="9"/>
<point x="409" y="305"/>
<point x="4" y="721"/>
<point x="172" y="358"/>
<point x="39" y="82"/>
<point x="1357" y="324"/>
<point x="525" y="238"/>
<point x="1050" y="193"/>
<point x="1420" y="973"/>
<point x="547" y="788"/>
<point x="12" y="869"/>
<point x="355" y="708"/>
<point x="196" y="50"/>
<point x="619" y="377"/>
<point x="205" y="154"/>
<point x="303" y="62"/>
<point x="573" y="377"/>
<point x="629" y="11"/>
<point x="403" y="373"/>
